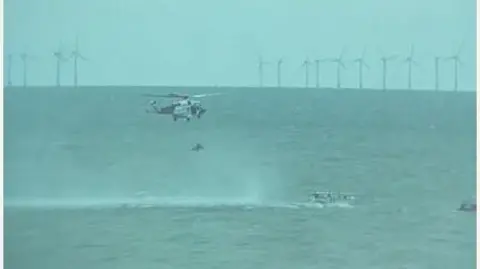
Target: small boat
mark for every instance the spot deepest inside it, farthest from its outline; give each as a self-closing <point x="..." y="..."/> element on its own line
<point x="468" y="206"/>
<point x="331" y="197"/>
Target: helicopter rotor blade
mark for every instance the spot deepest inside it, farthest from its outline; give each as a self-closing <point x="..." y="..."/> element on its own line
<point x="205" y="95"/>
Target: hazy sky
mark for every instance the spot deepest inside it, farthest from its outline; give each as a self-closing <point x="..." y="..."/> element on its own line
<point x="189" y="42"/>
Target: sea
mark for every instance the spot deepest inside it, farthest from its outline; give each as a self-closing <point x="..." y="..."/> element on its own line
<point x="92" y="180"/>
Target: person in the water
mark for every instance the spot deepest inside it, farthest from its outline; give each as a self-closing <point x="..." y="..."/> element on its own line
<point x="197" y="147"/>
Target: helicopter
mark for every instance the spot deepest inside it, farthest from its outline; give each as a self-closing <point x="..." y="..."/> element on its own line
<point x="182" y="108"/>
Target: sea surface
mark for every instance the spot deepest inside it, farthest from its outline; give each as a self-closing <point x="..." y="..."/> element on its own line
<point x="93" y="181"/>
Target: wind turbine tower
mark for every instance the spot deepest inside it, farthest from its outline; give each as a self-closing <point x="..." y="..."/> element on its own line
<point x="437" y="64"/>
<point x="10" y="59"/>
<point x="456" y="62"/>
<point x="261" y="64"/>
<point x="306" y="63"/>
<point x="279" y="72"/>
<point x="317" y="73"/>
<point x="340" y="65"/>
<point x="384" y="65"/>
<point x="317" y="70"/>
<point x="24" y="56"/>
<point x="409" y="60"/>
<point x="361" y="63"/>
<point x="60" y="58"/>
<point x="76" y="55"/>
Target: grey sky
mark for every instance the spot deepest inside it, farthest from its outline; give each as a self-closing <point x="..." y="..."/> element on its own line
<point x="188" y="42"/>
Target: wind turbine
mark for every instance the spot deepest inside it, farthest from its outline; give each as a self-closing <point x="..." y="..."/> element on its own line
<point x="25" y="57"/>
<point x="317" y="70"/>
<point x="340" y="65"/>
<point x="60" y="58"/>
<point x="384" y="65"/>
<point x="410" y="61"/>
<point x="76" y="55"/>
<point x="456" y="61"/>
<point x="10" y="60"/>
<point x="361" y="64"/>
<point x="261" y="63"/>
<point x="437" y="65"/>
<point x="306" y="63"/>
<point x="317" y="73"/>
<point x="279" y="72"/>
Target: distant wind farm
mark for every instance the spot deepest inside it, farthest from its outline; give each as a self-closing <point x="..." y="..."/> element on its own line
<point x="61" y="57"/>
<point x="384" y="62"/>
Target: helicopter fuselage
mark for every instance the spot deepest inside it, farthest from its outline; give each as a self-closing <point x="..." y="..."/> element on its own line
<point x="182" y="109"/>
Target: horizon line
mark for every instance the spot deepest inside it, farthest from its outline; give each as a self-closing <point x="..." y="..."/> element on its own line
<point x="239" y="87"/>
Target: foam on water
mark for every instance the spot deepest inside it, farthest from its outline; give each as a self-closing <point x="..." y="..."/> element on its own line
<point x="179" y="202"/>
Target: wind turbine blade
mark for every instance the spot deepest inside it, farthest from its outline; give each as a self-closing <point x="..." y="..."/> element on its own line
<point x="392" y="57"/>
<point x="305" y="62"/>
<point x="61" y="48"/>
<point x="460" y="48"/>
<point x="260" y="61"/>
<point x="380" y="51"/>
<point x="342" y="52"/>
<point x="82" y="57"/>
<point x="26" y="57"/>
<point x="366" y="65"/>
<point x="412" y="50"/>
<point x="76" y="43"/>
<point x="328" y="60"/>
